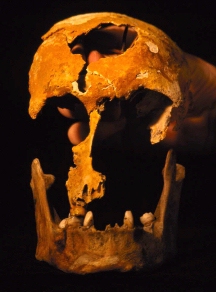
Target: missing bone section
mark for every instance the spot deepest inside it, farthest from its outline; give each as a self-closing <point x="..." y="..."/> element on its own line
<point x="104" y="41"/>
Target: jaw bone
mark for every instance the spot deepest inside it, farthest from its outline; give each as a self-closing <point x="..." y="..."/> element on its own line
<point x="83" y="249"/>
<point x="151" y="62"/>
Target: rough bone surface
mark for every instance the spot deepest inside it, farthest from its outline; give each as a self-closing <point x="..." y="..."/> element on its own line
<point x="82" y="249"/>
<point x="151" y="62"/>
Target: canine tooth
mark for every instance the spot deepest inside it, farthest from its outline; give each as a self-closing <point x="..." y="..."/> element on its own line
<point x="62" y="224"/>
<point x="148" y="219"/>
<point x="128" y="220"/>
<point x="88" y="220"/>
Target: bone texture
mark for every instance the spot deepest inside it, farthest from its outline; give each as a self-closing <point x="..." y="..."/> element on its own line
<point x="78" y="249"/>
<point x="153" y="62"/>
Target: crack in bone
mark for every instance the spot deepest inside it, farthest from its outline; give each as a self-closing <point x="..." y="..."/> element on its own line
<point x="110" y="84"/>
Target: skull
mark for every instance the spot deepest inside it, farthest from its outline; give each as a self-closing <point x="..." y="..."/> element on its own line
<point x="142" y="67"/>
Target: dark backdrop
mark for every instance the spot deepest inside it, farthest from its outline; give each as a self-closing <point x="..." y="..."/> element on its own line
<point x="23" y="23"/>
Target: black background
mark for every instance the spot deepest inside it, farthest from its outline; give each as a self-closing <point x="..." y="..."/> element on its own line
<point x="193" y="27"/>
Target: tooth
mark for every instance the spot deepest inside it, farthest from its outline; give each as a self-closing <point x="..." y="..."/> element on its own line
<point x="72" y="221"/>
<point x="148" y="219"/>
<point x="167" y="209"/>
<point x="75" y="220"/>
<point x="128" y="220"/>
<point x="88" y="220"/>
<point x="62" y="224"/>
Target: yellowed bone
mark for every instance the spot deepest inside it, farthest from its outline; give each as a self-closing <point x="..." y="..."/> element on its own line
<point x="80" y="248"/>
<point x="152" y="62"/>
<point x="83" y="181"/>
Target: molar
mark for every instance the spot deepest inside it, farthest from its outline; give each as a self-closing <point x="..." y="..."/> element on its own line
<point x="75" y="221"/>
<point x="148" y="219"/>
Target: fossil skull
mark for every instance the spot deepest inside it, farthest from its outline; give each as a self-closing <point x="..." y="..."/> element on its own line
<point x="145" y="61"/>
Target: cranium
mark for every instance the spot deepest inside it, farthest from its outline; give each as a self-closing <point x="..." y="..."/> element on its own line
<point x="148" y="69"/>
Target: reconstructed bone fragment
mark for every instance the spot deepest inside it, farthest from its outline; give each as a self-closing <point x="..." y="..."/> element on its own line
<point x="86" y="250"/>
<point x="83" y="181"/>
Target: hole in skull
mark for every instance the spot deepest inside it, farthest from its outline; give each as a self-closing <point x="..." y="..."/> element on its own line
<point x="129" y="121"/>
<point x="85" y="190"/>
<point x="149" y="105"/>
<point x="71" y="107"/>
<point x="131" y="164"/>
<point x="72" y="103"/>
<point x="105" y="41"/>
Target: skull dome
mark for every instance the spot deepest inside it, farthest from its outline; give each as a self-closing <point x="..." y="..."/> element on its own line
<point x="136" y="57"/>
<point x="151" y="60"/>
